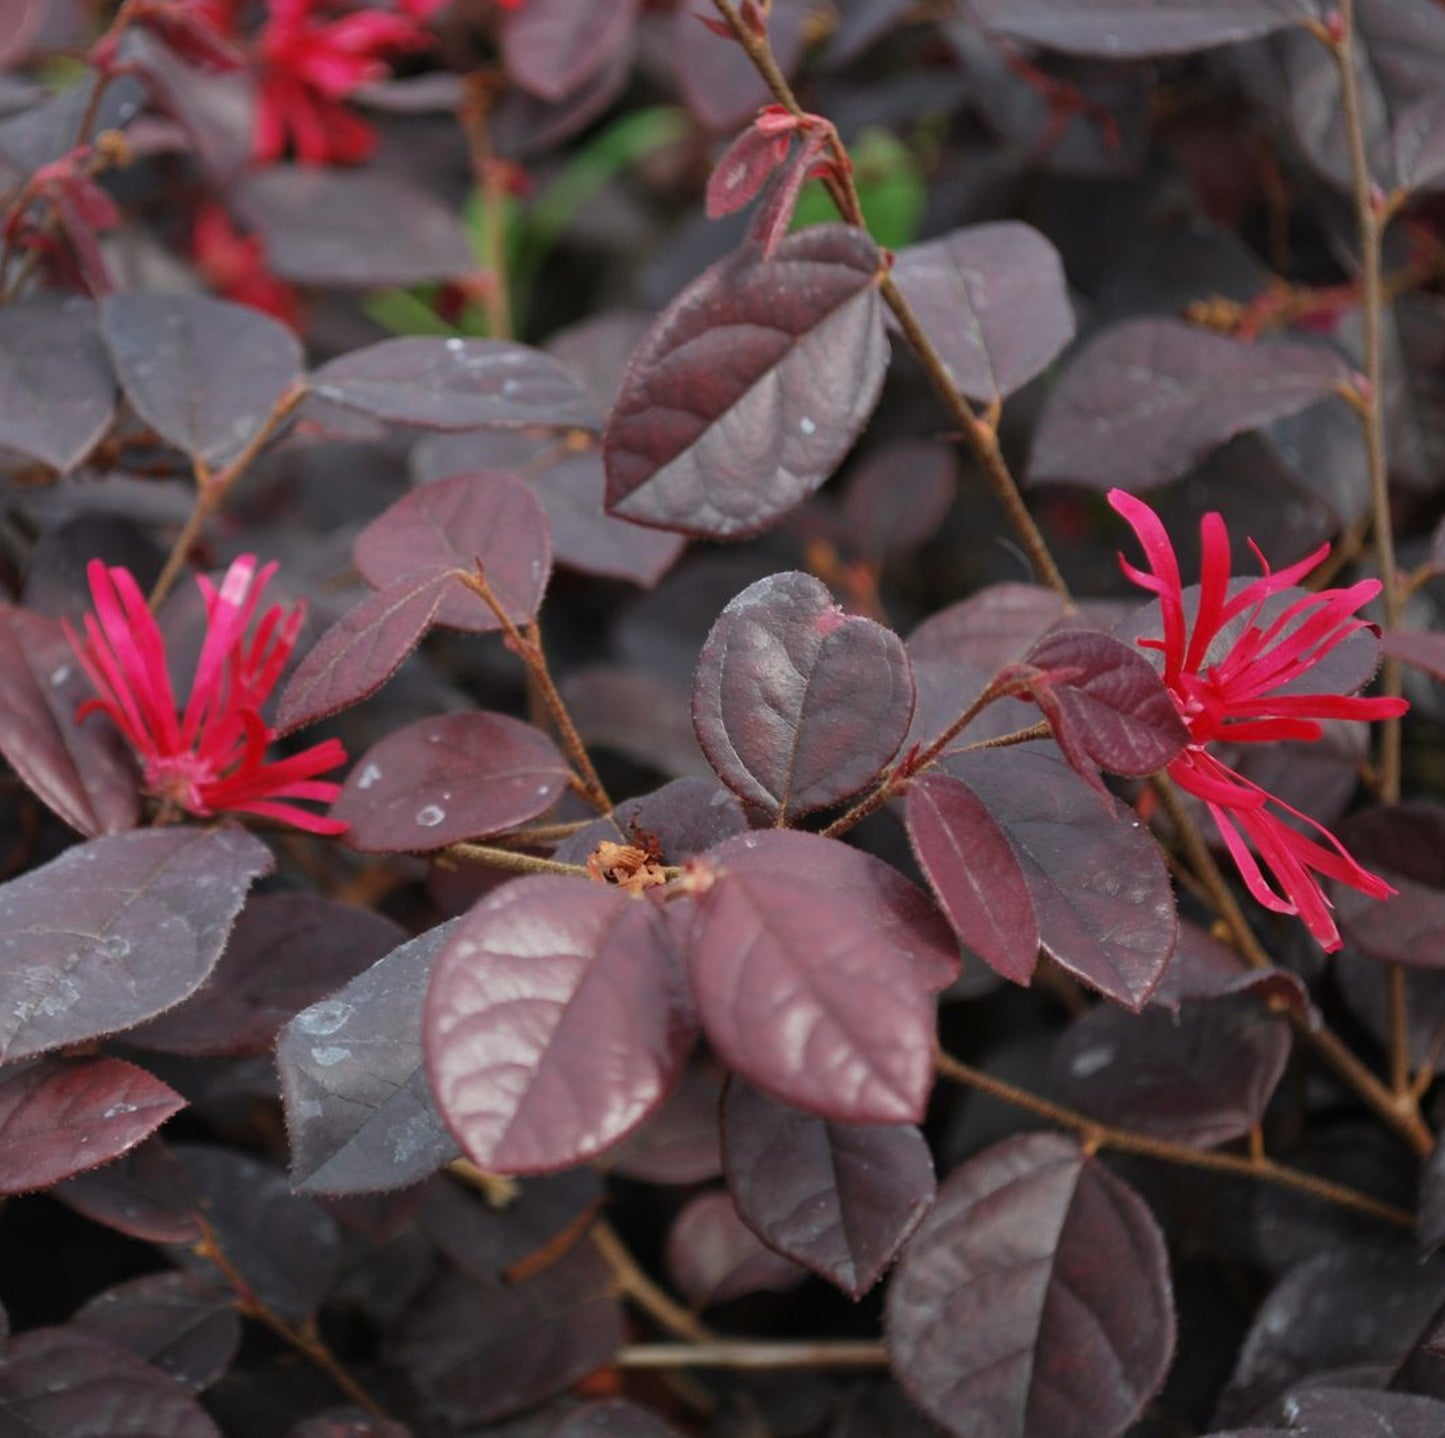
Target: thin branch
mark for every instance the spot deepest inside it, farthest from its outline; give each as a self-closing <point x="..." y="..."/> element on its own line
<point x="660" y="1306"/>
<point x="760" y="1354"/>
<point x="479" y="94"/>
<point x="510" y="859"/>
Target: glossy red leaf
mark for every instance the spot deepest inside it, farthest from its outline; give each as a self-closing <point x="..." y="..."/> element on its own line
<point x="555" y="1023"/>
<point x="1405" y="845"/>
<point x="553" y="47"/>
<point x="813" y="964"/>
<point x="1098" y="882"/>
<point x="458" y="776"/>
<point x="60" y="1117"/>
<point x="750" y="388"/>
<point x="456" y="384"/>
<point x="995" y="304"/>
<point x="117" y="930"/>
<point x="1034" y="1302"/>
<point x="57" y="387"/>
<point x="359" y="1110"/>
<point x="63" y="1383"/>
<point x="202" y="372"/>
<point x="363" y="649"/>
<point x="1150" y="398"/>
<point x="975" y="874"/>
<point x="714" y="1257"/>
<point x="841" y="1199"/>
<point x="489" y="520"/>
<point x="798" y="705"/>
<point x="743" y="169"/>
<point x="145" y="1194"/>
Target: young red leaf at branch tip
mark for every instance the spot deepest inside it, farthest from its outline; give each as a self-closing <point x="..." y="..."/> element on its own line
<point x="211" y="758"/>
<point x="1232" y="676"/>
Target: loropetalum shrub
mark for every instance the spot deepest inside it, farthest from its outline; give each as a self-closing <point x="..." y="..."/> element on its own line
<point x="706" y="717"/>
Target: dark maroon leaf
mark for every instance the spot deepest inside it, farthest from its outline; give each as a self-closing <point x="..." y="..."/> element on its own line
<point x="456" y="384"/>
<point x="613" y="1418"/>
<point x="555" y="1023"/>
<point x="553" y="47"/>
<point x="1354" y="1412"/>
<point x="1130" y="29"/>
<point x="1099" y="886"/>
<point x="331" y="226"/>
<point x="480" y="1353"/>
<point x="57" y="388"/>
<point x="797" y="704"/>
<point x="996" y="303"/>
<point x="184" y="1325"/>
<point x="1420" y="144"/>
<point x="987" y="630"/>
<point x="841" y="1199"/>
<point x="1432" y="1201"/>
<point x="488" y="520"/>
<point x="202" y="372"/>
<point x="1148" y="399"/>
<point x="81" y="770"/>
<point x="878" y="1408"/>
<point x="812" y="964"/>
<point x="714" y="1257"/>
<point x="117" y="930"/>
<point x="1362" y="985"/>
<point x="62" y="1383"/>
<point x="637" y="714"/>
<point x="349" y="1423"/>
<point x="684" y="817"/>
<point x="897" y="497"/>
<point x="1204" y="968"/>
<point x="1034" y="1302"/>
<point x="363" y="649"/>
<point x="719" y="83"/>
<point x="286" y="951"/>
<point x="1420" y="649"/>
<point x="977" y="878"/>
<point x="458" y="776"/>
<point x="750" y="388"/>
<point x="145" y="1194"/>
<point x="1405" y="845"/>
<point x="359" y="1111"/>
<point x="282" y="1245"/>
<point x="680" y="1142"/>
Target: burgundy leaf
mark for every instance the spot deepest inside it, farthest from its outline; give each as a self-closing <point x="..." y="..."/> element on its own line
<point x="812" y="964"/>
<point x="456" y="384"/>
<point x="1432" y="1201"/>
<point x="612" y="1418"/>
<point x="81" y="770"/>
<point x="988" y="629"/>
<point x="897" y="497"/>
<point x="1422" y="649"/>
<point x="488" y="520"/>
<point x="1405" y="845"/>
<point x="714" y="1257"/>
<point x="680" y="1143"/>
<point x="145" y="1194"/>
<point x="750" y="388"/>
<point x="719" y="83"/>
<point x="184" y="1325"/>
<point x="555" y="1023"/>
<point x="18" y="28"/>
<point x="685" y="817"/>
<point x="797" y="704"/>
<point x="1099" y="886"/>
<point x="553" y="47"/>
<point x="117" y="930"/>
<point x="972" y="868"/>
<point x="459" y="776"/>
<point x="59" y="1117"/>
<point x="1420" y="145"/>
<point x="364" y="648"/>
<point x="780" y="200"/>
<point x="637" y="714"/>
<point x="743" y="169"/>
<point x="349" y="1423"/>
<point x="1148" y="399"/>
<point x="996" y="302"/>
<point x="63" y="1383"/>
<point x="1351" y="1412"/>
<point x="57" y="388"/>
<point x="202" y="372"/>
<point x="1204" y="968"/>
<point x="359" y="1110"/>
<point x="1035" y="1301"/>
<point x="841" y="1199"/>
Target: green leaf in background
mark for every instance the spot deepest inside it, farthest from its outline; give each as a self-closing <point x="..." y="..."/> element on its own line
<point x="890" y="189"/>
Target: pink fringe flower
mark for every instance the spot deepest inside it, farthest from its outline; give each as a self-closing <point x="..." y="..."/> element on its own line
<point x="1233" y="677"/>
<point x="210" y="759"/>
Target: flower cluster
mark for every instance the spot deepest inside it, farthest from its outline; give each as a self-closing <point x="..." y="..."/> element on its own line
<point x="1235" y="676"/>
<point x="212" y="757"/>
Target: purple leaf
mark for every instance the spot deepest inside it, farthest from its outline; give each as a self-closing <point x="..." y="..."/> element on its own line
<point x="750" y="387"/>
<point x="679" y="1144"/>
<point x="81" y="770"/>
<point x="812" y="964"/>
<point x="997" y="304"/>
<point x="612" y="1418"/>
<point x="202" y="372"/>
<point x="1150" y="398"/>
<point x="59" y="1117"/>
<point x="57" y="388"/>
<point x="458" y="776"/>
<point x="488" y="520"/>
<point x="349" y="1423"/>
<point x="1419" y="648"/>
<point x="359" y="1109"/>
<point x="555" y="1023"/>
<point x="685" y="817"/>
<point x="841" y="1199"/>
<point x="1203" y="968"/>
<point x="897" y="497"/>
<point x="1420" y="145"/>
<point x="1035" y="1301"/>
<point x="719" y="83"/>
<point x="358" y="228"/>
<point x="145" y="1194"/>
<point x="713" y="1257"/>
<point x="1352" y="1412"/>
<point x="1405" y="845"/>
<point x="1431" y="1232"/>
<point x="553" y="47"/>
<point x="117" y="930"/>
<point x="18" y="27"/>
<point x="972" y="868"/>
<point x="363" y="649"/>
<point x="62" y="1383"/>
<point x="798" y="705"/>
<point x="1099" y="886"/>
<point x="456" y="384"/>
